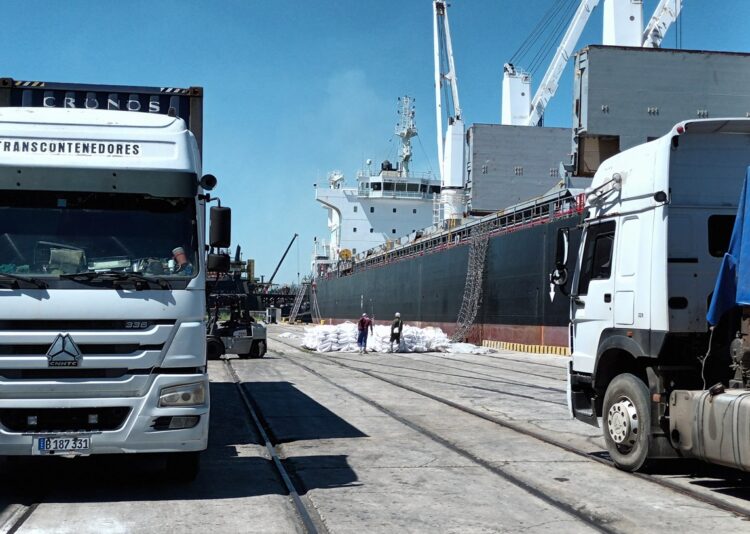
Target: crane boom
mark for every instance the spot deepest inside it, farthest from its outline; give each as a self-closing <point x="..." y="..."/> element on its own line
<point x="270" y="280"/>
<point x="450" y="140"/>
<point x="664" y="16"/>
<point x="443" y="44"/>
<point x="548" y="87"/>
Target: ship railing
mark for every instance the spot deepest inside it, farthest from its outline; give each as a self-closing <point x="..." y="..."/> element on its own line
<point x="368" y="193"/>
<point x="396" y="176"/>
<point x="539" y="211"/>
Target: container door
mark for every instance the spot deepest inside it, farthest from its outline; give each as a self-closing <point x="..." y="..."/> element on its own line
<point x="594" y="294"/>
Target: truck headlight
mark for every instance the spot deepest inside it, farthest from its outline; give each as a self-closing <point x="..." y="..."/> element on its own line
<point x="187" y="395"/>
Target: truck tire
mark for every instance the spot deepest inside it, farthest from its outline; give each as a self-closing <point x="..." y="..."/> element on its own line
<point x="626" y="417"/>
<point x="214" y="348"/>
<point x="183" y="467"/>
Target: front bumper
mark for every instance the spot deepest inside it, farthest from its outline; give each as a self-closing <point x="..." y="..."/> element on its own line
<point x="135" y="435"/>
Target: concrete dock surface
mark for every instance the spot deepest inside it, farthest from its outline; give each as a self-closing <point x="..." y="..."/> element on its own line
<point x="431" y="442"/>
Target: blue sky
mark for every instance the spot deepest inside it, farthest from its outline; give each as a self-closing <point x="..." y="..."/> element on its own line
<point x="295" y="89"/>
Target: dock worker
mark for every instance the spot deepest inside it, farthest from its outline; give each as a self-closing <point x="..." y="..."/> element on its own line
<point x="362" y="325"/>
<point x="397" y="327"/>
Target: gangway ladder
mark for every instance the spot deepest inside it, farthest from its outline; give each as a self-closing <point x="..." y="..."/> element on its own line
<point x="472" y="297"/>
<point x="300" y="298"/>
<point x="437" y="210"/>
<point x="298" y="302"/>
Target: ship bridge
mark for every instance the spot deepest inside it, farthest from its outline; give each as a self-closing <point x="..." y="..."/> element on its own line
<point x="393" y="183"/>
<point x="386" y="203"/>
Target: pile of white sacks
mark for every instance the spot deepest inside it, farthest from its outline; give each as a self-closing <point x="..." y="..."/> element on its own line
<point x="343" y="338"/>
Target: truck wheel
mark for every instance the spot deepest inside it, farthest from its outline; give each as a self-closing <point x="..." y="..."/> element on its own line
<point x="258" y="349"/>
<point x="214" y="348"/>
<point x="626" y="415"/>
<point x="183" y="466"/>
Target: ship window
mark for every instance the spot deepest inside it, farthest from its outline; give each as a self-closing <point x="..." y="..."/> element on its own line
<point x="388" y="186"/>
<point x="423" y="188"/>
<point x="434" y="189"/>
<point x="393" y="231"/>
<point x="596" y="263"/>
<point x="355" y="209"/>
<point x="719" y="233"/>
<point x="377" y="186"/>
<point x="355" y="229"/>
<point x="414" y="210"/>
<point x="372" y="209"/>
<point x="394" y="210"/>
<point x="412" y="187"/>
<point x="370" y="230"/>
<point x="400" y="187"/>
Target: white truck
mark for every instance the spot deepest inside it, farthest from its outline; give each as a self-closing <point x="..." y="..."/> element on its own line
<point x="656" y="227"/>
<point x="102" y="272"/>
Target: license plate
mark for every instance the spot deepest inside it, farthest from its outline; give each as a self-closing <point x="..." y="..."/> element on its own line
<point x="240" y="333"/>
<point x="60" y="445"/>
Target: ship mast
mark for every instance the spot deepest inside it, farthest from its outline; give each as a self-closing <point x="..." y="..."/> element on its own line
<point x="405" y="129"/>
<point x="450" y="141"/>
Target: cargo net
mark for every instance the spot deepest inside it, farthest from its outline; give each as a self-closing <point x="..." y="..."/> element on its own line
<point x="472" y="298"/>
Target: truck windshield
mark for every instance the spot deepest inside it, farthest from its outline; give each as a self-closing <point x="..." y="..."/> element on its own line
<point x="53" y="234"/>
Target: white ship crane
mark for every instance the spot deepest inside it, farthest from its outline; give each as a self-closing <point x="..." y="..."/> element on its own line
<point x="551" y="79"/>
<point x="622" y="26"/>
<point x="665" y="15"/>
<point x="450" y="140"/>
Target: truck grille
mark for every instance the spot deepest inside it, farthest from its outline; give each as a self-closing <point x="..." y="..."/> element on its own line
<point x="65" y="325"/>
<point x="65" y="373"/>
<point x="63" y="419"/>
<point x="29" y="350"/>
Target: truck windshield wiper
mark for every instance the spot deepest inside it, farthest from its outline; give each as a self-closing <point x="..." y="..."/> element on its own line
<point x="137" y="279"/>
<point x="13" y="280"/>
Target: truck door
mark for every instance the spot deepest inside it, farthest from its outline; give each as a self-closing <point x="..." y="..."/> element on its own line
<point x="593" y="293"/>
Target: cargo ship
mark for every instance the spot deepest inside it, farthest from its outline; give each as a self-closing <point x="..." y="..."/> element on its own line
<point x="497" y="262"/>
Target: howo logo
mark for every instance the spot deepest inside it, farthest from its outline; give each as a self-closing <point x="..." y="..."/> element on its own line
<point x="63" y="352"/>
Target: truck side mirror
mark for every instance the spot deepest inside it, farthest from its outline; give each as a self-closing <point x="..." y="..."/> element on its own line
<point x="217" y="263"/>
<point x="559" y="276"/>
<point x="221" y="227"/>
<point x="207" y="182"/>
<point x="561" y="254"/>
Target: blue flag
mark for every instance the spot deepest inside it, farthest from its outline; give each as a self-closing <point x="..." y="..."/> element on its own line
<point x="733" y="284"/>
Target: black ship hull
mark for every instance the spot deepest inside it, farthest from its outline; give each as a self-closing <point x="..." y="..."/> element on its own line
<point x="428" y="289"/>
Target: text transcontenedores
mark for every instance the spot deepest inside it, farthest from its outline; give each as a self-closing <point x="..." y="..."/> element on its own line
<point x="69" y="148"/>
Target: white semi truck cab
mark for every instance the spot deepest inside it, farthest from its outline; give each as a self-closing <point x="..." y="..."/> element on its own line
<point x="645" y="361"/>
<point x="102" y="274"/>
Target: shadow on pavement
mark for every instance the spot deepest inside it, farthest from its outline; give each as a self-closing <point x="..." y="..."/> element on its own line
<point x="229" y="468"/>
<point x="716" y="478"/>
<point x="291" y="415"/>
<point x="320" y="472"/>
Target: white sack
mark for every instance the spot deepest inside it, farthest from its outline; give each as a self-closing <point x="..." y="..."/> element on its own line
<point x="343" y="337"/>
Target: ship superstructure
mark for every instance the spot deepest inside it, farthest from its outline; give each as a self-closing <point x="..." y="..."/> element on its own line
<point x="385" y="205"/>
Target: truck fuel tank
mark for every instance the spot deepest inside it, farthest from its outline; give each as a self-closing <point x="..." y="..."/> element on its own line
<point x="712" y="427"/>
